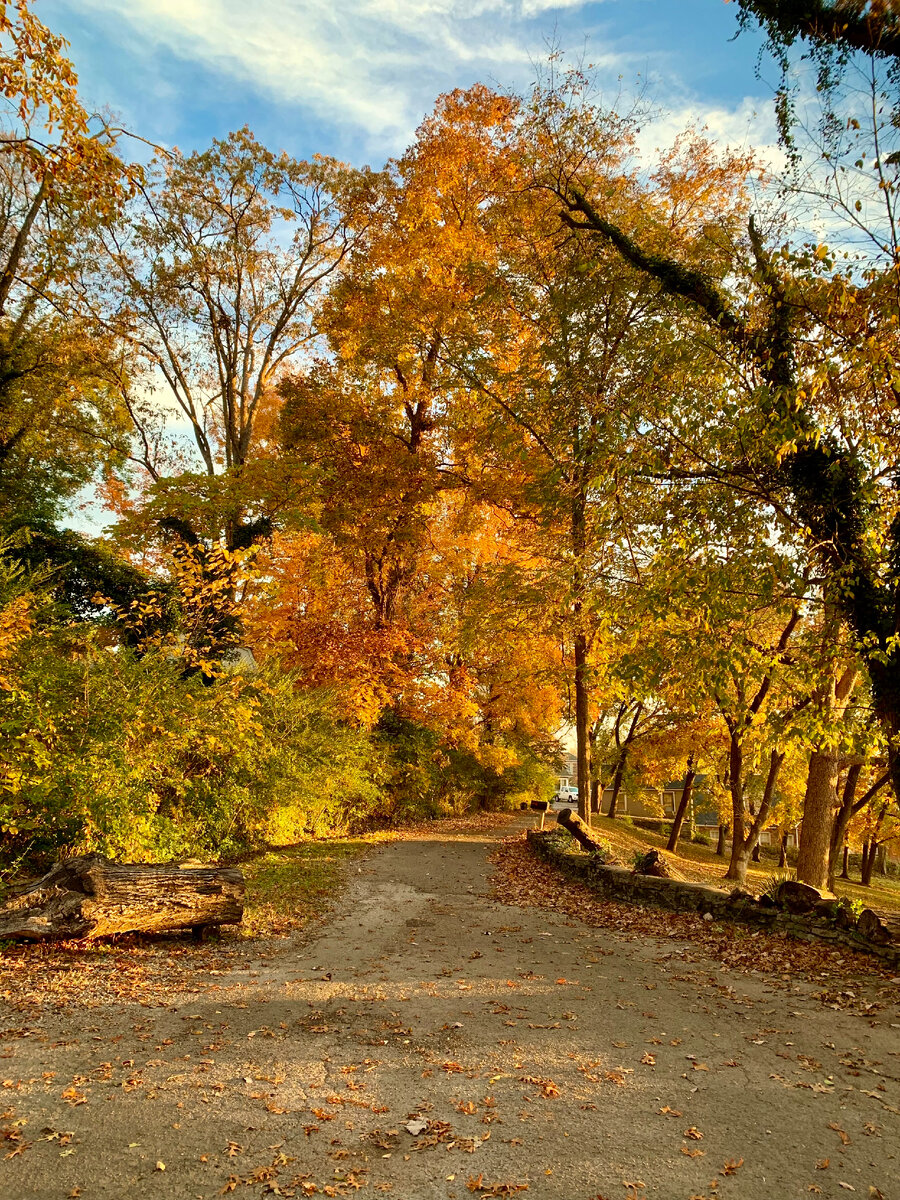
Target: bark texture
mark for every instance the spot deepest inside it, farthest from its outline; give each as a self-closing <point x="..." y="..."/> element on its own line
<point x="655" y="863"/>
<point x="89" y="897"/>
<point x="818" y="809"/>
<point x="582" y="705"/>
<point x="686" y="792"/>
<point x="580" y="831"/>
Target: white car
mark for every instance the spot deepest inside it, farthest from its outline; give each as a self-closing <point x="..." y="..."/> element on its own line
<point x="565" y="796"/>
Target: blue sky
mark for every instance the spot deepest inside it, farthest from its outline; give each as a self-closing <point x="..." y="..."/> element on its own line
<point x="353" y="78"/>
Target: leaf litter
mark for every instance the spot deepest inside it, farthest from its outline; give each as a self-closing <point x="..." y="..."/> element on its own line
<point x="522" y="879"/>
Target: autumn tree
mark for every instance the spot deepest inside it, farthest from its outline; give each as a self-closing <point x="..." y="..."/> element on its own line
<point x="721" y="613"/>
<point x="426" y="623"/>
<point x="61" y="179"/>
<point x="836" y="672"/>
<point x="785" y="316"/>
<point x="863" y="787"/>
<point x="210" y="281"/>
<point x="828" y="25"/>
<point x="371" y="421"/>
<point x="573" y="354"/>
<point x="368" y="424"/>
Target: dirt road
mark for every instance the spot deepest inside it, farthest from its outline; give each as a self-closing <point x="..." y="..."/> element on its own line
<point x="432" y="1042"/>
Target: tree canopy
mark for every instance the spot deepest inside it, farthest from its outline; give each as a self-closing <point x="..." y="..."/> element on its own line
<point x="418" y="476"/>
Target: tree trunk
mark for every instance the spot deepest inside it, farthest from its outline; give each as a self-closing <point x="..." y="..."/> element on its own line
<point x="90" y="897"/>
<point x="580" y="643"/>
<point x="842" y="822"/>
<point x="868" y="862"/>
<point x="720" y="842"/>
<point x="595" y="791"/>
<point x="581" y="728"/>
<point x="740" y="852"/>
<point x="743" y="847"/>
<point x="594" y="766"/>
<point x="818" y="814"/>
<point x="683" y="804"/>
<point x="850" y="807"/>
<point x="881" y="859"/>
<point x="871" y="843"/>
<point x="885" y="678"/>
<point x="617" y="782"/>
<point x="740" y="860"/>
<point x="845" y="869"/>
<point x="782" y="856"/>
<point x="623" y="751"/>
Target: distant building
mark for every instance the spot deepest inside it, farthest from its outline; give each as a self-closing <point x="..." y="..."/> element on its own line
<point x="569" y="776"/>
<point x="636" y="802"/>
<point x="661" y="805"/>
<point x="704" y="815"/>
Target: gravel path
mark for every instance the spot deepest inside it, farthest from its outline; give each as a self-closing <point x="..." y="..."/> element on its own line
<point x="432" y="1042"/>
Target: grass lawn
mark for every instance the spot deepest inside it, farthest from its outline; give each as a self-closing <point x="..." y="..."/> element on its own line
<point x="288" y="886"/>
<point x="700" y="864"/>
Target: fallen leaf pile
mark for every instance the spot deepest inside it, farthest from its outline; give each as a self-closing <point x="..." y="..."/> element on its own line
<point x="524" y="880"/>
<point x="131" y="969"/>
<point x="477" y="1184"/>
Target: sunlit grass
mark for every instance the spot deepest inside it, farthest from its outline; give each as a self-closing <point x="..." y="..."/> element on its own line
<point x="288" y="886"/>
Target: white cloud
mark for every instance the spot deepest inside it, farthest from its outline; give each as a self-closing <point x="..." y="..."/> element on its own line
<point x="374" y="63"/>
<point x="749" y="125"/>
<point x="376" y="66"/>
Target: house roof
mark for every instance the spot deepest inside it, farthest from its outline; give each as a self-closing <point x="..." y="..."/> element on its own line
<point x="674" y="784"/>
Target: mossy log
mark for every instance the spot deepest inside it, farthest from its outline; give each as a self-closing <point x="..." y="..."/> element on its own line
<point x="90" y="897"/>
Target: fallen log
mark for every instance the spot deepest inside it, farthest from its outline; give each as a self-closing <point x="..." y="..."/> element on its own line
<point x="581" y="833"/>
<point x="90" y="897"/>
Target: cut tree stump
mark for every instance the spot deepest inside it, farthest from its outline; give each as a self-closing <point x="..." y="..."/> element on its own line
<point x="797" y="897"/>
<point x="580" y="832"/>
<point x="878" y="928"/>
<point x="655" y="863"/>
<point x="89" y="897"/>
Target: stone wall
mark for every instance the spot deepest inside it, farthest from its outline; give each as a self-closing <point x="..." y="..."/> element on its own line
<point x="621" y="883"/>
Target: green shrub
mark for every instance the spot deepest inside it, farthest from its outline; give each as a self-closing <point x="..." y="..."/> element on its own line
<point x="422" y="777"/>
<point x="110" y="752"/>
<point x="701" y="839"/>
<point x="106" y="749"/>
<point x="558" y="841"/>
<point x="852" y="906"/>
